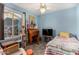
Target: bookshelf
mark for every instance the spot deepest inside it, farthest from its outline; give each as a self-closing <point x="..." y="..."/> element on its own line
<point x="12" y="23"/>
<point x="12" y="26"/>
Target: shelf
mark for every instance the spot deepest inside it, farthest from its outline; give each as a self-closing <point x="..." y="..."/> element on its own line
<point x="12" y="39"/>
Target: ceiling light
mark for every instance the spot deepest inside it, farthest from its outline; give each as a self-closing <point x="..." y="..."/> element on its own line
<point x="42" y="8"/>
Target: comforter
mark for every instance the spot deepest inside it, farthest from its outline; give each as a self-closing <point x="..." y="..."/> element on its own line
<point x="62" y="46"/>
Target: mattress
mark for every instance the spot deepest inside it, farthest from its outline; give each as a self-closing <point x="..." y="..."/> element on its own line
<point x="58" y="46"/>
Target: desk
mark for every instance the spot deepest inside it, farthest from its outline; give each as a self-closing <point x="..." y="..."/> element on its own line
<point x="33" y="33"/>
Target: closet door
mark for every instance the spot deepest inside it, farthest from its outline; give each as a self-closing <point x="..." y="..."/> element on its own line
<point x="1" y="21"/>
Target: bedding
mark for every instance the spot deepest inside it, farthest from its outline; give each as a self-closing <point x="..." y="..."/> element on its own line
<point x="64" y="34"/>
<point x="62" y="46"/>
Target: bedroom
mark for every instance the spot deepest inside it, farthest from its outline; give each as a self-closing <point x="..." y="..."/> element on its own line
<point x="26" y="24"/>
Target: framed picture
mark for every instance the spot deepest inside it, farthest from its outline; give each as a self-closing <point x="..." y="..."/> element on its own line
<point x="32" y="19"/>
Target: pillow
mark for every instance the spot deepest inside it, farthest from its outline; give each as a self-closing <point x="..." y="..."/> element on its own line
<point x="72" y="35"/>
<point x="64" y="34"/>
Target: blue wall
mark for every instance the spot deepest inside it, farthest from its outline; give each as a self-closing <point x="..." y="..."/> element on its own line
<point x="78" y="20"/>
<point x="63" y="20"/>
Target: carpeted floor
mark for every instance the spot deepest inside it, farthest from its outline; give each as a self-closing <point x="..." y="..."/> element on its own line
<point x="38" y="49"/>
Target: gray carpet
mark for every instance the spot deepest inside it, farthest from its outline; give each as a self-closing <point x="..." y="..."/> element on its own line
<point x="38" y="49"/>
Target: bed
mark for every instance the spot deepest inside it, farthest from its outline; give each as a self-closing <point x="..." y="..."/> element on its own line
<point x="63" y="45"/>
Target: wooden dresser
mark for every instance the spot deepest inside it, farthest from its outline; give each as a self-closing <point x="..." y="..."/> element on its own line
<point x="33" y="33"/>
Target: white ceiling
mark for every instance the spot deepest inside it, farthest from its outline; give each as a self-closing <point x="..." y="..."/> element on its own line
<point x="51" y="7"/>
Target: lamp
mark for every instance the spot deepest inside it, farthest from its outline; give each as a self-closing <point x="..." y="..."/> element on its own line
<point x="42" y="8"/>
